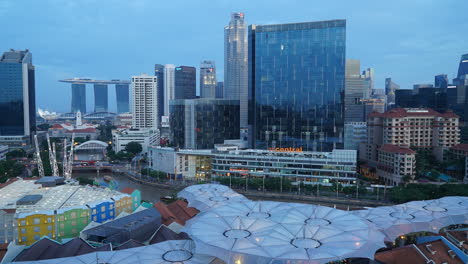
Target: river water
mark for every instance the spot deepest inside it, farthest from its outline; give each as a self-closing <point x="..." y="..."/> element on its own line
<point x="148" y="193"/>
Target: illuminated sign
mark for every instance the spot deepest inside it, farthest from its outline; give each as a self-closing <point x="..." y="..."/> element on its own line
<point x="285" y="149"/>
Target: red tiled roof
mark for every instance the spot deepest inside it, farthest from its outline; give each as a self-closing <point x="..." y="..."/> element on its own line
<point x="408" y="254"/>
<point x="462" y="147"/>
<point x="177" y="211"/>
<point x="57" y="126"/>
<point x="403" y="112"/>
<point x="396" y="149"/>
<point x="128" y="190"/>
<point x="441" y="254"/>
<point x="9" y="211"/>
<point x="3" y="250"/>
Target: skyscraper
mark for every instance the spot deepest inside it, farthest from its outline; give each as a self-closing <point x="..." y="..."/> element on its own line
<point x="354" y="92"/>
<point x="169" y="86"/>
<point x="123" y="98"/>
<point x="144" y="101"/>
<point x="390" y="88"/>
<point x="296" y="85"/>
<point x="463" y="66"/>
<point x="159" y="73"/>
<point x="368" y="76"/>
<point x="100" y="97"/>
<point x="78" y="98"/>
<point x="208" y="79"/>
<point x="185" y="82"/>
<point x="17" y="95"/>
<point x="220" y="90"/>
<point x="441" y="81"/>
<point x="235" y="64"/>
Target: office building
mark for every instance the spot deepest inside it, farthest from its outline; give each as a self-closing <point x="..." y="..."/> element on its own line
<point x="355" y="133"/>
<point x="220" y="90"/>
<point x="395" y="163"/>
<point x="390" y="88"/>
<point x="441" y="81"/>
<point x="202" y="123"/>
<point x="463" y="66"/>
<point x="425" y="97"/>
<point x="307" y="167"/>
<point x="418" y="86"/>
<point x="354" y="93"/>
<point x="17" y="98"/>
<point x="122" y="94"/>
<point x="3" y="152"/>
<point x="145" y="137"/>
<point x="169" y="86"/>
<point x="296" y="85"/>
<point x="159" y="73"/>
<point x="208" y="82"/>
<point x="185" y="82"/>
<point x="235" y="64"/>
<point x="145" y="101"/>
<point x="368" y="76"/>
<point x="404" y="98"/>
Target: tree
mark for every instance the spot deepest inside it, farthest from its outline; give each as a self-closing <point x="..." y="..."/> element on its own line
<point x="44" y="126"/>
<point x="133" y="147"/>
<point x="80" y="140"/>
<point x="9" y="169"/>
<point x="16" y="153"/>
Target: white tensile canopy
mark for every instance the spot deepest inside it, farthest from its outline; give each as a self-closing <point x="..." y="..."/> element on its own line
<point x="274" y="232"/>
<point x="206" y="196"/>
<point x="171" y="251"/>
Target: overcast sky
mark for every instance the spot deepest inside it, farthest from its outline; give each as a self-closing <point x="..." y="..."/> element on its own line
<point x="408" y="40"/>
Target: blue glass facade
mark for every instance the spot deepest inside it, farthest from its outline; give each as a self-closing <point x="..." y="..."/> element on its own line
<point x="296" y="85"/>
<point x="159" y="73"/>
<point x="78" y="97"/>
<point x="123" y="97"/>
<point x="185" y="82"/>
<point x="463" y="67"/>
<point x="100" y="98"/>
<point x="17" y="94"/>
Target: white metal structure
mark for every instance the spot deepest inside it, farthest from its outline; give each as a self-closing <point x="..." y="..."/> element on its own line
<point x="70" y="159"/>
<point x="207" y="196"/>
<point x="275" y="232"/>
<point x="40" y="166"/>
<point x="64" y="161"/>
<point x="53" y="162"/>
<point x="445" y="211"/>
<point x="167" y="252"/>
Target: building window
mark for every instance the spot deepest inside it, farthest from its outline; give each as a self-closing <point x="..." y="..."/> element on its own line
<point x="103" y="208"/>
<point x="37" y="229"/>
<point x="37" y="237"/>
<point x="23" y="230"/>
<point x="36" y="221"/>
<point x="49" y="228"/>
<point x="23" y="222"/>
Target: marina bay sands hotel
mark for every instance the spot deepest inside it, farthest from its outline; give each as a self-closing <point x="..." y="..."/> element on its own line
<point x="78" y="101"/>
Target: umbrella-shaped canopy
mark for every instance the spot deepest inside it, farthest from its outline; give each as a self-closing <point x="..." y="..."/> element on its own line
<point x="171" y="251"/>
<point x="207" y="196"/>
<point x="273" y="232"/>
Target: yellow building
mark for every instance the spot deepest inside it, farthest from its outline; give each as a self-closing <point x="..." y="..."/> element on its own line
<point x="31" y="227"/>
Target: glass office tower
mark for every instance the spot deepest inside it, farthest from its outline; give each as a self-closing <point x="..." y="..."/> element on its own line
<point x="296" y="85"/>
<point x="159" y="73"/>
<point x="463" y="66"/>
<point x="208" y="79"/>
<point x="202" y="123"/>
<point x="17" y="94"/>
<point x="185" y="82"/>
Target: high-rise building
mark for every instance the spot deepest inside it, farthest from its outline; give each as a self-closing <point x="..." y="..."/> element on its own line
<point x="463" y="66"/>
<point x="368" y="76"/>
<point x="185" y="82"/>
<point x="208" y="79"/>
<point x="296" y="85"/>
<point x="159" y="73"/>
<point x="390" y="88"/>
<point x="100" y="97"/>
<point x="123" y="98"/>
<point x="354" y="92"/>
<point x="202" y="123"/>
<point x="235" y="64"/>
<point x="441" y="81"/>
<point x="78" y="97"/>
<point x="144" y="101"/>
<point x="169" y="86"/>
<point x="17" y="97"/>
<point x="220" y="90"/>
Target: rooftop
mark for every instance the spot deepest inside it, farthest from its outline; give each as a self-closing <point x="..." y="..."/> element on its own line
<point x="396" y="149"/>
<point x="53" y="198"/>
<point x="461" y="147"/>
<point x="412" y="112"/>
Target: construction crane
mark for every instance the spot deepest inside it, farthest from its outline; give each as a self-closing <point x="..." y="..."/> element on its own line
<point x="70" y="159"/>
<point x="40" y="167"/>
<point x="64" y="161"/>
<point x="53" y="163"/>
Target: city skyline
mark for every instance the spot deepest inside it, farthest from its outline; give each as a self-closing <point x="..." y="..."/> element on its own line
<point x="392" y="40"/>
